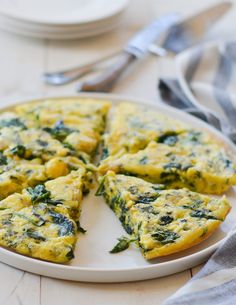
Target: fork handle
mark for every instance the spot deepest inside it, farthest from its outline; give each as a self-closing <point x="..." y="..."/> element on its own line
<point x="105" y="81"/>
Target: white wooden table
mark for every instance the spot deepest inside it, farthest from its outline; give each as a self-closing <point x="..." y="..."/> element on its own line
<point x="22" y="62"/>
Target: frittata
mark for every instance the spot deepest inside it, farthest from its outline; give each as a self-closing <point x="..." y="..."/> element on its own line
<point x="76" y="122"/>
<point x="201" y="168"/>
<point x="41" y="231"/>
<point x="39" y="223"/>
<point x="162" y="221"/>
<point x="46" y="153"/>
<point x="15" y="175"/>
<point x="34" y="143"/>
<point x="133" y="127"/>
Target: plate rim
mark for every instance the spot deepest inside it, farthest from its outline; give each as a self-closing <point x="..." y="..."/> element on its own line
<point x="43" y="34"/>
<point x="121" y="7"/>
<point x="206" y="252"/>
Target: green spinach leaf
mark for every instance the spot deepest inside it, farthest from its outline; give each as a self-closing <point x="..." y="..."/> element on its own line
<point x="79" y="228"/>
<point x="59" y="131"/>
<point x="39" y="193"/>
<point x="123" y="244"/>
<point x="3" y="159"/>
<point x="165" y="236"/>
<point x="19" y="150"/>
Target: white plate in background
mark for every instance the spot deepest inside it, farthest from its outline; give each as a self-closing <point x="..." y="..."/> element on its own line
<point x="42" y="31"/>
<point x="60" y="19"/>
<point x="55" y="12"/>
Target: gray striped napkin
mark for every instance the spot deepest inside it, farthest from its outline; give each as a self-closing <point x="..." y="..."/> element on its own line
<point x="206" y="79"/>
<point x="215" y="284"/>
<point x="207" y="75"/>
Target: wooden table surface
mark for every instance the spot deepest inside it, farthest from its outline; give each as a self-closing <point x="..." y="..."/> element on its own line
<point x="22" y="62"/>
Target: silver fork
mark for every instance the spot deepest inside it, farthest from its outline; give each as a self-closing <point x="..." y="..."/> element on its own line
<point x="66" y="76"/>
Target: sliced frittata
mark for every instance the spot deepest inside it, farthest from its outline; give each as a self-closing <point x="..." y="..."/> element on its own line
<point x="201" y="168"/>
<point x="38" y="222"/>
<point x="162" y="221"/>
<point x="34" y="143"/>
<point x="40" y="231"/>
<point x="133" y="126"/>
<point x="15" y="175"/>
<point x="76" y="122"/>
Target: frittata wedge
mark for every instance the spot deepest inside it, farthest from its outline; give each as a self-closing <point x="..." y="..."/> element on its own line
<point x="40" y="231"/>
<point x="133" y="126"/>
<point x="201" y="168"/>
<point x="162" y="221"/>
<point x="15" y="175"/>
<point x="73" y="121"/>
<point x="38" y="222"/>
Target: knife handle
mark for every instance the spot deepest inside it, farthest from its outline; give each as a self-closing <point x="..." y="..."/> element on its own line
<point x="105" y="81"/>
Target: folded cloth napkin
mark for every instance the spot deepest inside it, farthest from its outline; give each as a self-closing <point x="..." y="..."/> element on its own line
<point x="207" y="74"/>
<point x="215" y="284"/>
<point x="172" y="94"/>
<point x="206" y="78"/>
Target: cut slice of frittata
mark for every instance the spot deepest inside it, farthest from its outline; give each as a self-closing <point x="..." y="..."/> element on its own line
<point x="162" y="221"/>
<point x="77" y="122"/>
<point x="34" y="143"/>
<point x="67" y="191"/>
<point x="38" y="222"/>
<point x="15" y="175"/>
<point x="201" y="168"/>
<point x="40" y="231"/>
<point x="133" y="126"/>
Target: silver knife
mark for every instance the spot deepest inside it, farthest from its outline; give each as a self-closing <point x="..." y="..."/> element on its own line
<point x="187" y="32"/>
<point x="136" y="48"/>
<point x="139" y="45"/>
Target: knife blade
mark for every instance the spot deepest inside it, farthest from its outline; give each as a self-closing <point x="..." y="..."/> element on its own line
<point x="187" y="32"/>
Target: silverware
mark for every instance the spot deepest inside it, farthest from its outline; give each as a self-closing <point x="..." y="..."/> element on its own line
<point x="135" y="48"/>
<point x="173" y="95"/>
<point x="180" y="36"/>
<point x="187" y="32"/>
<point x="69" y="75"/>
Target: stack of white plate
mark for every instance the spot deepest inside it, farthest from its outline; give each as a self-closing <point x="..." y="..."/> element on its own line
<point x="60" y="19"/>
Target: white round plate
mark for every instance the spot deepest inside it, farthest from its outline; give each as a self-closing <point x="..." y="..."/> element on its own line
<point x="93" y="263"/>
<point x="50" y="32"/>
<point x="61" y="11"/>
